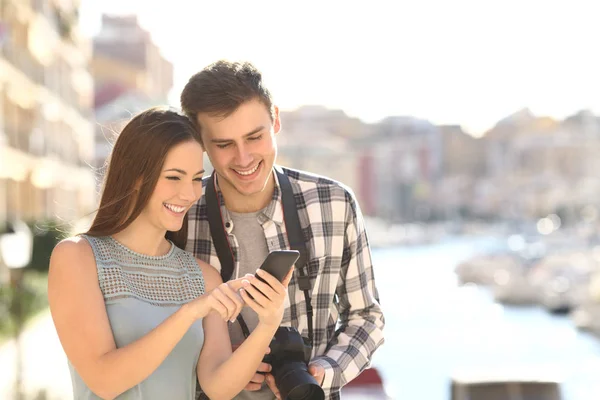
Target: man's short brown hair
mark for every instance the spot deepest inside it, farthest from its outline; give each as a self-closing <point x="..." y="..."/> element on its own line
<point x="220" y="88"/>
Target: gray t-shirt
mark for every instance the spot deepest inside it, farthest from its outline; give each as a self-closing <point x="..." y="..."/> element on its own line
<point x="253" y="249"/>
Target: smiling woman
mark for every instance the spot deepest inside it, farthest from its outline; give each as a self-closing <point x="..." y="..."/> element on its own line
<point x="151" y="157"/>
<point x="137" y="315"/>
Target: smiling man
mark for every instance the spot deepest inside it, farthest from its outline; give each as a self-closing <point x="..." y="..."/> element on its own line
<point x="337" y="307"/>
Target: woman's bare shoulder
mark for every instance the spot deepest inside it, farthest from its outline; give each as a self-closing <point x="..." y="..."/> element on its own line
<point x="212" y="277"/>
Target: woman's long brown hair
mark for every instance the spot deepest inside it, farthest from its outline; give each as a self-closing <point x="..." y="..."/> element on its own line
<point x="134" y="167"/>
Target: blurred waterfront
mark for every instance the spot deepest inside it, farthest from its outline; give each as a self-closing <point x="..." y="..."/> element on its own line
<point x="436" y="328"/>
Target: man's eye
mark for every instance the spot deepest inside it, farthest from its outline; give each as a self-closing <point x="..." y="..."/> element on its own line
<point x="256" y="137"/>
<point x="223" y="146"/>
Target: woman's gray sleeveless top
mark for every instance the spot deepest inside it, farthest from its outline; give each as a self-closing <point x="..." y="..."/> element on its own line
<point x="140" y="292"/>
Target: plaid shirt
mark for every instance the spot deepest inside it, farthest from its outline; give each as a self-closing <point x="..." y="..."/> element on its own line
<point x="348" y="320"/>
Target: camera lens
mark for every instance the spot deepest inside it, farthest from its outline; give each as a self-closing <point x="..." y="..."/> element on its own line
<point x="295" y="383"/>
<point x="306" y="392"/>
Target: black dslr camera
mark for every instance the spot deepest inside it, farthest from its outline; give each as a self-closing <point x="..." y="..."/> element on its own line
<point x="289" y="358"/>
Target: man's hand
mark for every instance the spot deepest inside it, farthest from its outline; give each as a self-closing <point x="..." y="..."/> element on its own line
<point x="271" y="384"/>
<point x="318" y="372"/>
<point x="259" y="377"/>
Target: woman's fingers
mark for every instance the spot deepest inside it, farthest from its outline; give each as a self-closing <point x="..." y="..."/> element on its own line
<point x="237" y="284"/>
<point x="265" y="288"/>
<point x="234" y="296"/>
<point x="218" y="307"/>
<point x="258" y="297"/>
<point x="250" y="302"/>
<point x="220" y="295"/>
<point x="271" y="281"/>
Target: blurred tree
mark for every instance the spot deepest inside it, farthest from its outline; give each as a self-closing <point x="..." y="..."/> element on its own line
<point x="46" y="235"/>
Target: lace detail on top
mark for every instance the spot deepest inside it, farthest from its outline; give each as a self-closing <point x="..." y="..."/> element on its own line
<point x="169" y="280"/>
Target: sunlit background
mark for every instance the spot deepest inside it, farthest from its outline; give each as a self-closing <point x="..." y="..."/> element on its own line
<point x="468" y="131"/>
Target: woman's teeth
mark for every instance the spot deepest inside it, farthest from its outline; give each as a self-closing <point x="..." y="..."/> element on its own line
<point x="249" y="172"/>
<point x="176" y="209"/>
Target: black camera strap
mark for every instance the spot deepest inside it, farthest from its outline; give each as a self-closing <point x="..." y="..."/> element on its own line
<point x="294" y="233"/>
<point x="296" y="240"/>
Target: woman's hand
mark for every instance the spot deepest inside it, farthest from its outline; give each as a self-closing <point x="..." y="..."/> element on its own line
<point x="267" y="298"/>
<point x="224" y="300"/>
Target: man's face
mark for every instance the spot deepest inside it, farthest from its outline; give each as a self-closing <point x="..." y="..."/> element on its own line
<point x="242" y="147"/>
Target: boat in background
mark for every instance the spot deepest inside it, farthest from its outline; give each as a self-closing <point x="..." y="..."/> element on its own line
<point x="507" y="384"/>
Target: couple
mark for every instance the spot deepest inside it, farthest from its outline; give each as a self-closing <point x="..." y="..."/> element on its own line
<point x="143" y="303"/>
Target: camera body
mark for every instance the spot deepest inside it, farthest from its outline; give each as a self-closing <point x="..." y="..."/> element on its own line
<point x="288" y="346"/>
<point x="289" y="358"/>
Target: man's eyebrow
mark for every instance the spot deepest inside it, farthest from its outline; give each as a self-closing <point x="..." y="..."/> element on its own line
<point x="252" y="132"/>
<point x="183" y="172"/>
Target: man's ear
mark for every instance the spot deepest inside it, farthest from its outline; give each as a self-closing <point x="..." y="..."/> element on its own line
<point x="276" y="120"/>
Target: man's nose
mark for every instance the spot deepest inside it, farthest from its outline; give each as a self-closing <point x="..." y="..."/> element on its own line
<point x="244" y="159"/>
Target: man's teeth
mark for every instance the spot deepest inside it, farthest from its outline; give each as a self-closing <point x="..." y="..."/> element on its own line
<point x="173" y="208"/>
<point x="250" y="172"/>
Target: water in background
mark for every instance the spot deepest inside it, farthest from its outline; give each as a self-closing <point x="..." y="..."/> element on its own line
<point x="434" y="327"/>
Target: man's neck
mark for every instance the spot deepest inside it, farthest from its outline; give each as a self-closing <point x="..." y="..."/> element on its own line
<point x="237" y="202"/>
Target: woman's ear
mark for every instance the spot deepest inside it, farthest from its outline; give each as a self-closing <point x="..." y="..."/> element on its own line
<point x="138" y="185"/>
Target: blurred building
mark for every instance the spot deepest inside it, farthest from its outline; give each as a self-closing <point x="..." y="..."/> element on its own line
<point x="126" y="56"/>
<point x="130" y="75"/>
<point x="316" y="139"/>
<point x="538" y="165"/>
<point x="463" y="164"/>
<point x="400" y="166"/>
<point x="46" y="95"/>
<point x="392" y="166"/>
